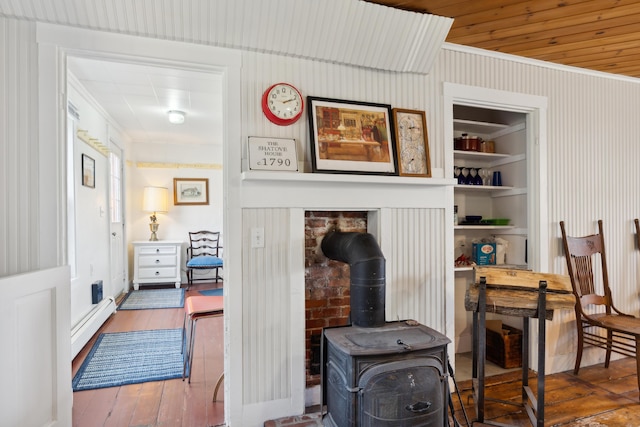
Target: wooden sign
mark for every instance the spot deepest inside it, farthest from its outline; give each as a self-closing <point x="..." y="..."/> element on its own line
<point x="272" y="154"/>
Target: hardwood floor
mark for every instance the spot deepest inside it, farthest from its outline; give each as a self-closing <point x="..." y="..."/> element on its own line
<point x="596" y="397"/>
<point x="171" y="403"/>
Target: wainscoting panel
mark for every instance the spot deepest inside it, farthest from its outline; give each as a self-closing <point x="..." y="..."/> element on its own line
<point x="416" y="267"/>
<point x="267" y="298"/>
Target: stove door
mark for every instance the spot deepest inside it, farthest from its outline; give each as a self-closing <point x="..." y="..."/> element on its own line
<point x="404" y="393"/>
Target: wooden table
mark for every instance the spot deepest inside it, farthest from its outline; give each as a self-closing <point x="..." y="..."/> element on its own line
<point x="524" y="294"/>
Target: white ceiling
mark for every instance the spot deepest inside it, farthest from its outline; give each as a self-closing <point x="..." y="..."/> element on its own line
<point x="138" y="97"/>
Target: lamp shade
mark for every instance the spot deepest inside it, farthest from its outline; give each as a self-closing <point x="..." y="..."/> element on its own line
<point x="155" y="199"/>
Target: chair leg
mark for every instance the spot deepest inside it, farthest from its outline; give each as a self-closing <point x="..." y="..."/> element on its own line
<point x="191" y="345"/>
<point x="607" y="359"/>
<point x="580" y="347"/>
<point x="638" y="360"/>
<point x="218" y="384"/>
<point x="187" y="345"/>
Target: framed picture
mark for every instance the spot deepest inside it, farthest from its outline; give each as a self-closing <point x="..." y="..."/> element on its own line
<point x="88" y="171"/>
<point x="351" y="137"/>
<point x="412" y="142"/>
<point x="190" y="191"/>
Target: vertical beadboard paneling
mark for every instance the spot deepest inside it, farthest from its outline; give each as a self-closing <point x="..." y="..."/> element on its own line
<point x="415" y="266"/>
<point x="19" y="176"/>
<point x="266" y="307"/>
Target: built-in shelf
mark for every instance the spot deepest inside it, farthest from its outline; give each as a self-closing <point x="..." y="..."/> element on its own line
<point x="478" y="155"/>
<point x="470" y="267"/>
<point x="484" y="227"/>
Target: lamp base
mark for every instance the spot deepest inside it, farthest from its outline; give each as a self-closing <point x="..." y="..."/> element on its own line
<point x="154" y="228"/>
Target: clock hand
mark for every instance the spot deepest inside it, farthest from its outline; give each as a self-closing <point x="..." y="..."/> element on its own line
<point x="288" y="100"/>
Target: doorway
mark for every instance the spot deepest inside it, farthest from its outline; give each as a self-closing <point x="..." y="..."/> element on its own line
<point x="128" y="101"/>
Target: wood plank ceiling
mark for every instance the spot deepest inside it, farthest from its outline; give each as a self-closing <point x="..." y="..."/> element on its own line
<point x="602" y="35"/>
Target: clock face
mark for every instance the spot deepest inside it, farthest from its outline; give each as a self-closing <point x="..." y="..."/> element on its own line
<point x="282" y="104"/>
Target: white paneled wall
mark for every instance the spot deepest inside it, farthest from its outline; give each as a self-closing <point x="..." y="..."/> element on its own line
<point x="267" y="299"/>
<point x="416" y="273"/>
<point x="19" y="157"/>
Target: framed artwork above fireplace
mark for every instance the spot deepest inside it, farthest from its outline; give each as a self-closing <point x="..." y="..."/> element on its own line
<point x="351" y="137"/>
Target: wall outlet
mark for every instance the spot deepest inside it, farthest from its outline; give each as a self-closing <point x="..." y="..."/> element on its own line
<point x="257" y="237"/>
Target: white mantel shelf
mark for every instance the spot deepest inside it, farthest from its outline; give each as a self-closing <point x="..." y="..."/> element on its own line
<point x="271" y="189"/>
<point x="344" y="178"/>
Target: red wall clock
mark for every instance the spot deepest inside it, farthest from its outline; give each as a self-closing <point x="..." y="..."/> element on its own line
<point x="282" y="104"/>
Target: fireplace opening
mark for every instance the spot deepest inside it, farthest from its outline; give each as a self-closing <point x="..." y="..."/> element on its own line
<point x="327" y="282"/>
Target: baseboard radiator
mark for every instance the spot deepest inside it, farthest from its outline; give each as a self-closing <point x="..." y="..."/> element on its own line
<point x="89" y="325"/>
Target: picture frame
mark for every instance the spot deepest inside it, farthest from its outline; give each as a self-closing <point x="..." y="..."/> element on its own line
<point x="412" y="142"/>
<point x="190" y="191"/>
<point x="88" y="171"/>
<point x="351" y="137"/>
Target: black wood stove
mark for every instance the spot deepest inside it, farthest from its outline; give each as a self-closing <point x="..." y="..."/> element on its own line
<point x="377" y="373"/>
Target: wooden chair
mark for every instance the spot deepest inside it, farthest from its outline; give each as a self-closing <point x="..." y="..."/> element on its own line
<point x="598" y="321"/>
<point x="204" y="253"/>
<point x="196" y="308"/>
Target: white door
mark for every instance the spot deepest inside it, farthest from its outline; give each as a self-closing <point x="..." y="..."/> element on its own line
<point x="35" y="363"/>
<point x="117" y="250"/>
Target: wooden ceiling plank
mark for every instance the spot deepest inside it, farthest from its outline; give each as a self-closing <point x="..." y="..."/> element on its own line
<point x="541" y="52"/>
<point x="526" y="11"/>
<point x="511" y="38"/>
<point x="540" y="22"/>
<point x="486" y="7"/>
<point x="589" y="52"/>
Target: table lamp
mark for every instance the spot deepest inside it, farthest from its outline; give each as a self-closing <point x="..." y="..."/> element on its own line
<point x="155" y="200"/>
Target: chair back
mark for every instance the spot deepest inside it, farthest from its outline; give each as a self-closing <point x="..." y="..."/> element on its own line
<point x="582" y="254"/>
<point x="204" y="243"/>
<point x="637" y="223"/>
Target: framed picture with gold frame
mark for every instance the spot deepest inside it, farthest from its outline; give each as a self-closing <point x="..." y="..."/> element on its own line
<point x="190" y="191"/>
<point x="412" y="143"/>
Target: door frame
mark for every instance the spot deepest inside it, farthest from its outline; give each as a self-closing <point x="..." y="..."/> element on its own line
<point x="55" y="43"/>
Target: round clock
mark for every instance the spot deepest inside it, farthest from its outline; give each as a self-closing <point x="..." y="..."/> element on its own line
<point x="282" y="104"/>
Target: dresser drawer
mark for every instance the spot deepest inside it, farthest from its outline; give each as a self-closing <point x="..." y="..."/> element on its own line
<point x="157" y="250"/>
<point x="158" y="273"/>
<point x="157" y="261"/>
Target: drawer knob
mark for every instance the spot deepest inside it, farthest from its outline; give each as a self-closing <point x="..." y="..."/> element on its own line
<point x="157" y="273"/>
<point x="157" y="261"/>
<point x="157" y="250"/>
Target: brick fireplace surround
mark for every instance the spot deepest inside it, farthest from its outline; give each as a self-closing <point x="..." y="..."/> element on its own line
<point x="326" y="282"/>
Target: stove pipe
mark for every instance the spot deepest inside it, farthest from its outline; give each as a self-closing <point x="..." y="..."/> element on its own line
<point x="362" y="253"/>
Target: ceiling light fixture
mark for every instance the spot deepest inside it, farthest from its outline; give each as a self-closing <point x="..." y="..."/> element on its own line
<point x="176" y="117"/>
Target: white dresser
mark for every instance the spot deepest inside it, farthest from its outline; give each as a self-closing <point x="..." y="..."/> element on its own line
<point x="156" y="262"/>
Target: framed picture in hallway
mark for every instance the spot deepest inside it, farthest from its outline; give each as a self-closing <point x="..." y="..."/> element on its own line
<point x="190" y="191"/>
<point x="351" y="137"/>
<point x="88" y="171"/>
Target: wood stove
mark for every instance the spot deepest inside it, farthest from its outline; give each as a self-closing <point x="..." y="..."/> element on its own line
<point x="374" y="373"/>
<point x="394" y="375"/>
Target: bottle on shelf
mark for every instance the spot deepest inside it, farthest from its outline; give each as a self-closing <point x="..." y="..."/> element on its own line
<point x="455" y="215"/>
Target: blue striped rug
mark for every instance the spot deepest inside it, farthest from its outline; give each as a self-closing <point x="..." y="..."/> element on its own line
<point x="153" y="298"/>
<point x="122" y="358"/>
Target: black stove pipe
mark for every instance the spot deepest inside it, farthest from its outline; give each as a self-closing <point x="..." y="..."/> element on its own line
<point x="362" y="253"/>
